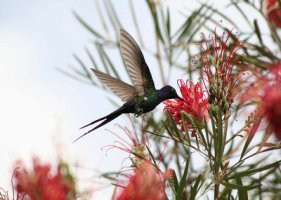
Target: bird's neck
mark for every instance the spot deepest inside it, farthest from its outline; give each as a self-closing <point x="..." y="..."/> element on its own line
<point x="162" y="95"/>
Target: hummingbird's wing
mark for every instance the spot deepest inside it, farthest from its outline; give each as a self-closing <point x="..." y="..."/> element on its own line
<point x="123" y="90"/>
<point x="135" y="63"/>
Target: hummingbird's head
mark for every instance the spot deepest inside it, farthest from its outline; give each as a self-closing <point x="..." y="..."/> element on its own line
<point x="168" y="92"/>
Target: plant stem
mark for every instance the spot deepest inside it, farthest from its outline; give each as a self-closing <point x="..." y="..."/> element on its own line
<point x="219" y="148"/>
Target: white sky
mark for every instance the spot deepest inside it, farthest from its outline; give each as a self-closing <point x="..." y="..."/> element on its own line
<point x="39" y="106"/>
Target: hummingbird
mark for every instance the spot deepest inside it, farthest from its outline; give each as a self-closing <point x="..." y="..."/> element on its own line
<point x="139" y="98"/>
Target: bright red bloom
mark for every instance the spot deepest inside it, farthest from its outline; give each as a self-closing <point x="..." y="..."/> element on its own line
<point x="147" y="183"/>
<point x="41" y="184"/>
<point x="196" y="104"/>
<point x="272" y="10"/>
<point x="218" y="59"/>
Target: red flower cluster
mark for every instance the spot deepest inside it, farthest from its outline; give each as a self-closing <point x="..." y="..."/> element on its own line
<point x="41" y="184"/>
<point x="272" y="10"/>
<point x="147" y="183"/>
<point x="218" y="59"/>
<point x="196" y="104"/>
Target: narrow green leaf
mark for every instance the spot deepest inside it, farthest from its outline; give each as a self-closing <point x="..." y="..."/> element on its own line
<point x="253" y="171"/>
<point x="74" y="77"/>
<point x="194" y="188"/>
<point x="251" y="135"/>
<point x="101" y="55"/>
<point x="83" y="66"/>
<point x="174" y="127"/>
<point x="154" y="14"/>
<point x="244" y="15"/>
<point x="110" y="63"/>
<point x="151" y="156"/>
<point x="135" y="22"/>
<point x="88" y="27"/>
<point x="95" y="66"/>
<point x="102" y="19"/>
<point x="242" y="194"/>
<point x="110" y="15"/>
<point x="257" y="31"/>
<point x="113" y="12"/>
<point x="168" y="23"/>
<point x="239" y="187"/>
<point x="182" y="185"/>
<point x="176" y="183"/>
<point x="186" y="27"/>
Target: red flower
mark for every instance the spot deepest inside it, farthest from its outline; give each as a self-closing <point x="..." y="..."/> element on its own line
<point x="196" y="104"/>
<point x="41" y="184"/>
<point x="147" y="183"/>
<point x="272" y="10"/>
<point x="265" y="91"/>
<point x="272" y="108"/>
<point x="218" y="59"/>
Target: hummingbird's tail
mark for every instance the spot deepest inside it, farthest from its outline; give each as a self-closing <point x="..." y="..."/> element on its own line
<point x="106" y="119"/>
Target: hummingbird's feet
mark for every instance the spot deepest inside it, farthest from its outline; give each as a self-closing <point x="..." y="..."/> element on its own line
<point x="139" y="111"/>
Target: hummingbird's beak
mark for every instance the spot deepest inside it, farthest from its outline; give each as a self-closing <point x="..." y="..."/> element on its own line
<point x="181" y="98"/>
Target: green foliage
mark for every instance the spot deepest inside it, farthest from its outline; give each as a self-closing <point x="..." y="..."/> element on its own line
<point x="232" y="165"/>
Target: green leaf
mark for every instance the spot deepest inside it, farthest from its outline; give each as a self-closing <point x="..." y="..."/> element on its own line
<point x="113" y="17"/>
<point x="84" y="68"/>
<point x="182" y="186"/>
<point x="95" y="66"/>
<point x="168" y="23"/>
<point x="253" y="171"/>
<point x="88" y="27"/>
<point x="242" y="194"/>
<point x="257" y="31"/>
<point x="194" y="188"/>
<point x="187" y="26"/>
<point x="154" y="14"/>
<point x="239" y="187"/>
<point x="251" y="135"/>
<point x="136" y="22"/>
<point x="174" y="127"/>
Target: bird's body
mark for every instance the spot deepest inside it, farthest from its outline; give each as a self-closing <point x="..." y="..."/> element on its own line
<point x="139" y="98"/>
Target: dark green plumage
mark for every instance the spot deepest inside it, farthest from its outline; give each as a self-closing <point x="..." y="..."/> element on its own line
<point x="139" y="98"/>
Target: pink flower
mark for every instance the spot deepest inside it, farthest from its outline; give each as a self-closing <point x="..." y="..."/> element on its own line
<point x="147" y="183"/>
<point x="271" y="107"/>
<point x="265" y="91"/>
<point x="272" y="10"/>
<point x="196" y="104"/>
<point x="41" y="184"/>
<point x="271" y="98"/>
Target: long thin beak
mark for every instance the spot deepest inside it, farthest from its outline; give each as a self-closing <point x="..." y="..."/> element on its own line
<point x="181" y="99"/>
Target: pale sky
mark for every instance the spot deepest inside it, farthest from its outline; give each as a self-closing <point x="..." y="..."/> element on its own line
<point x="39" y="106"/>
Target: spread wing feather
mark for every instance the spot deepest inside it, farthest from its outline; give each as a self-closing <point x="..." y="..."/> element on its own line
<point x="123" y="90"/>
<point x="135" y="63"/>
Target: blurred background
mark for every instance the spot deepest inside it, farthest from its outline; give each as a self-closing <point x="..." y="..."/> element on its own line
<point x="41" y="108"/>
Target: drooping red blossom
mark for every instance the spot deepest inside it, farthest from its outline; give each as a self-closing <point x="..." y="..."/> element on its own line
<point x="147" y="183"/>
<point x="272" y="11"/>
<point x="195" y="104"/>
<point x="42" y="184"/>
